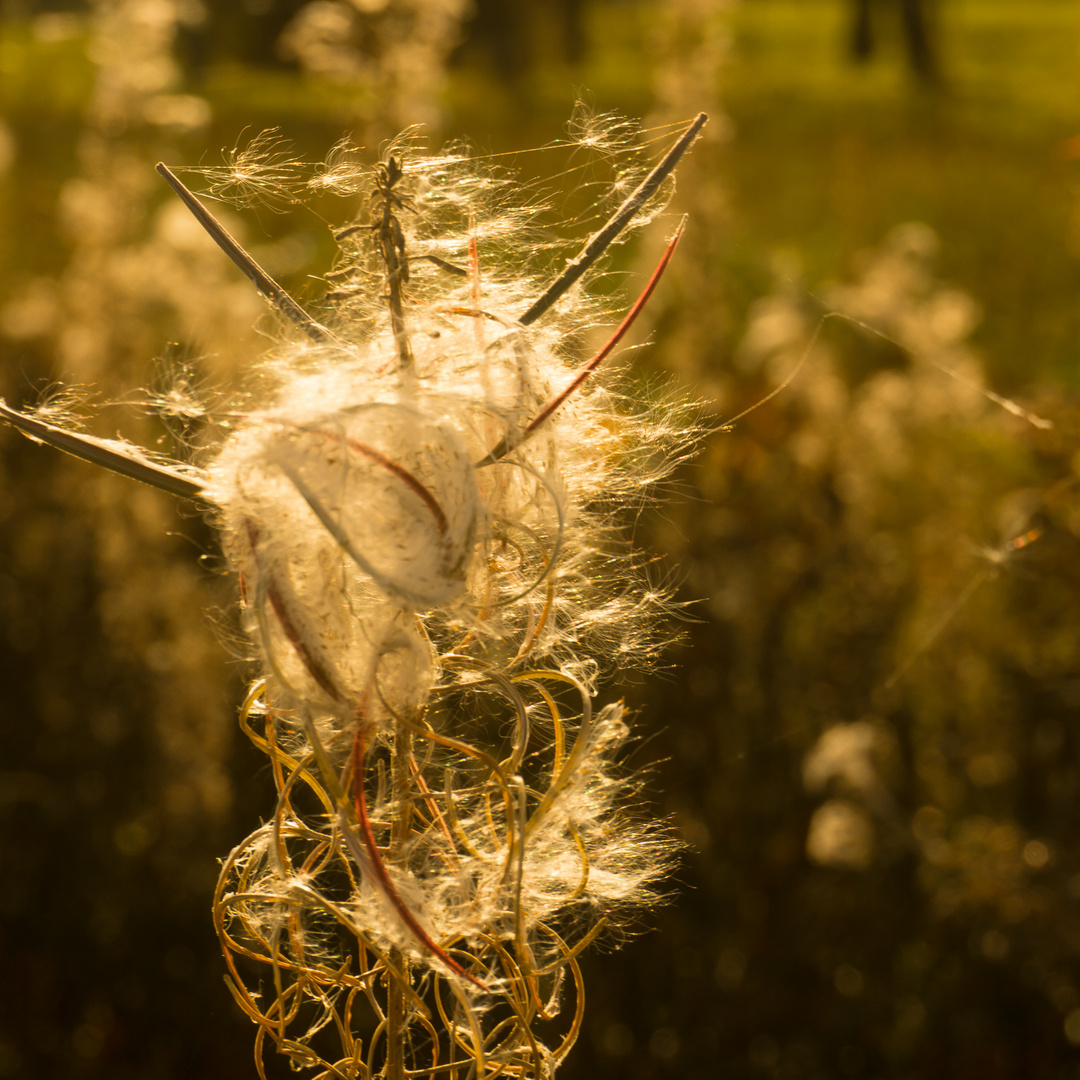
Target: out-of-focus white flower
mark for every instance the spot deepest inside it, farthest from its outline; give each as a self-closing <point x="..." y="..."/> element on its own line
<point x="840" y="835"/>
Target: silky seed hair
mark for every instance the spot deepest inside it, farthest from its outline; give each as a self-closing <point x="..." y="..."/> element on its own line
<point x="418" y="498"/>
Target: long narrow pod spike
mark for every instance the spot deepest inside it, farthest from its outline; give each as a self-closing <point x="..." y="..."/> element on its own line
<point x="601" y="240"/>
<point x="251" y="269"/>
<point x="118" y="457"/>
<point x="507" y="443"/>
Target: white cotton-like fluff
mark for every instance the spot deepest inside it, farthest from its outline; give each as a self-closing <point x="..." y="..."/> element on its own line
<point x="366" y="497"/>
<point x="367" y="505"/>
<point x="390" y="488"/>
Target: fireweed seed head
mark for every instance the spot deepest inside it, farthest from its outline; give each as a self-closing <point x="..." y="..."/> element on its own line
<point x="421" y="499"/>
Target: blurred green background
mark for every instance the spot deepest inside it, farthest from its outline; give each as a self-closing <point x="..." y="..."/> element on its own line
<point x="868" y="736"/>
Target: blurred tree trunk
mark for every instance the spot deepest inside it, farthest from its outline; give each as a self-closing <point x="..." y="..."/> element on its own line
<point x="916" y="22"/>
<point x="507" y="35"/>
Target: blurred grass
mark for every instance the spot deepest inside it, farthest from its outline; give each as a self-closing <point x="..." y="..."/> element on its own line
<point x="828" y="155"/>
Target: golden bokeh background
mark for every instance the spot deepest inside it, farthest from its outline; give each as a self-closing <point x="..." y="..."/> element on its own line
<point x="868" y="737"/>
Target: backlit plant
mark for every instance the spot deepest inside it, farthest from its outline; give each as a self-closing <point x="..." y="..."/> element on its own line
<point x="417" y="495"/>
